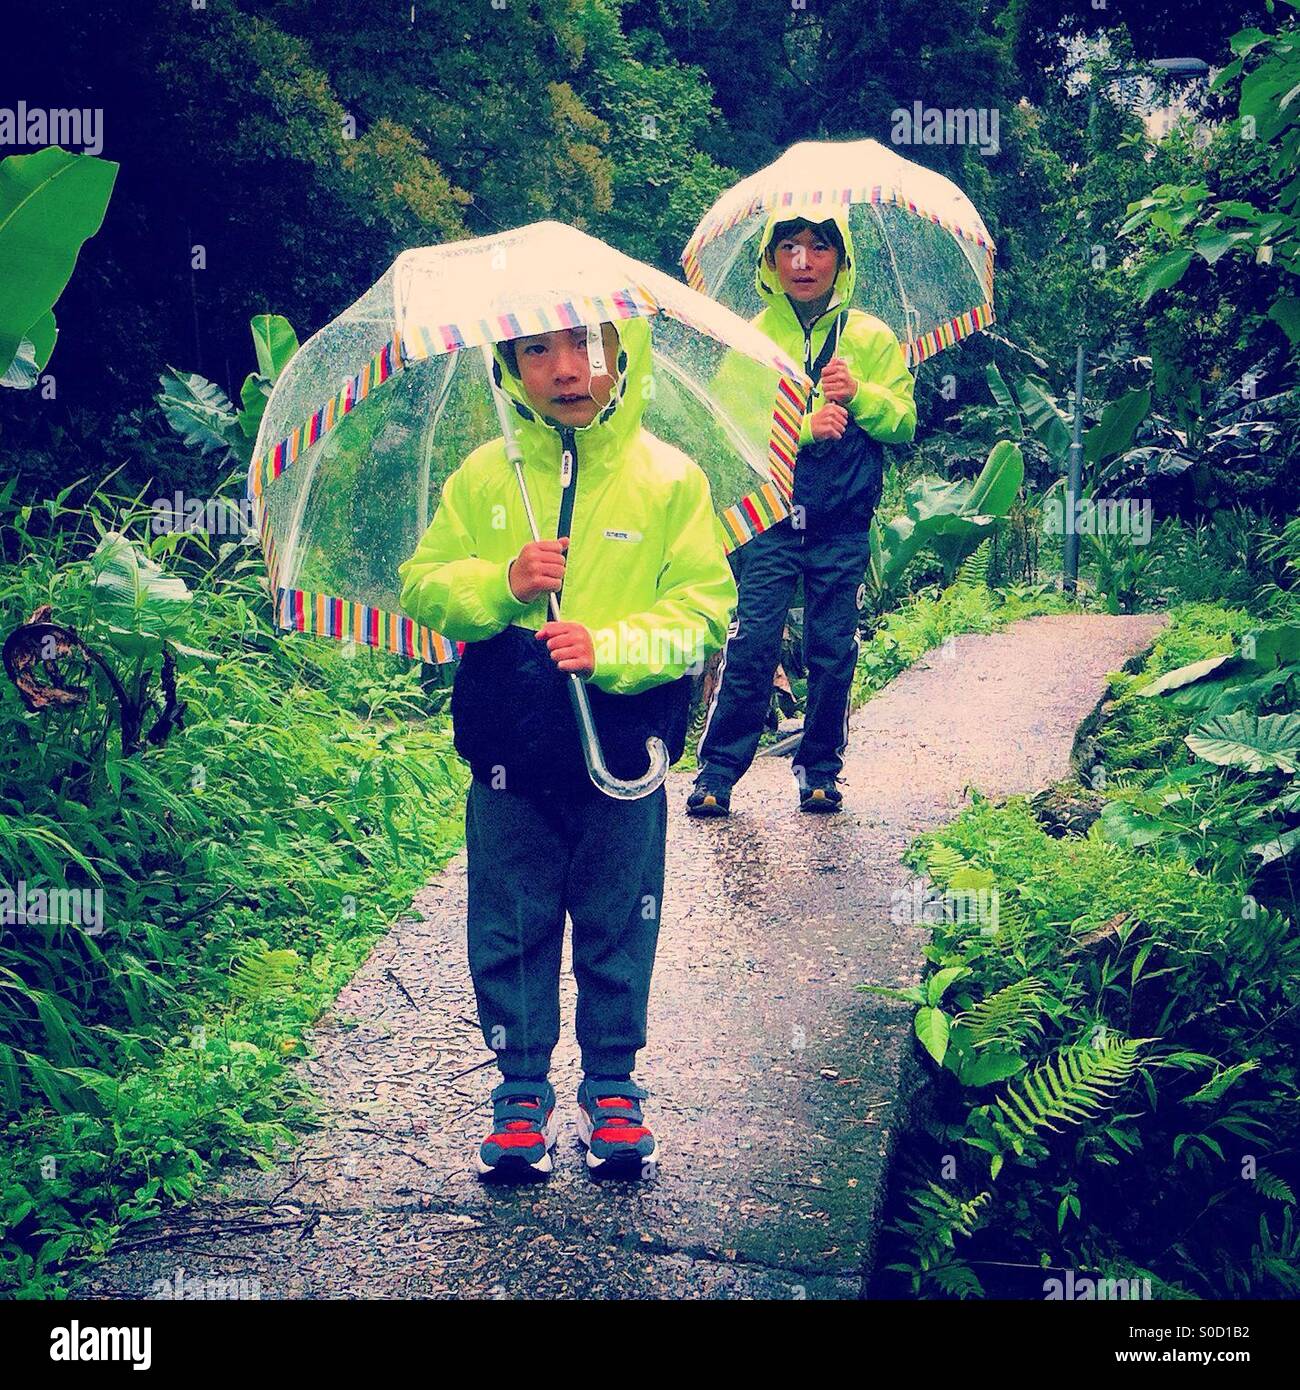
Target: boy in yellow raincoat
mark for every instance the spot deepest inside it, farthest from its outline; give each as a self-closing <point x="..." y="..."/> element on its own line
<point x="645" y="591"/>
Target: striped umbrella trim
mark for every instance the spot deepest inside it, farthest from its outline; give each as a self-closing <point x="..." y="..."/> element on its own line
<point x="265" y="469"/>
<point x="320" y="615"/>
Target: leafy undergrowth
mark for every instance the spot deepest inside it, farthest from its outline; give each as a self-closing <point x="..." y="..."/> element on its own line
<point x="244" y="866"/>
<point x="1111" y="1020"/>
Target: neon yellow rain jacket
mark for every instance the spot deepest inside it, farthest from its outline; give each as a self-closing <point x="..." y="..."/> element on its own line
<point x="646" y="573"/>
<point x="840" y="480"/>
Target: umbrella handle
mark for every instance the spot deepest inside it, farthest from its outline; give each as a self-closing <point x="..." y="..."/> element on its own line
<point x="592" y="753"/>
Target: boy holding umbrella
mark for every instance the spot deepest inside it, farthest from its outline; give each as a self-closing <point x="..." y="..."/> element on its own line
<point x="639" y="562"/>
<point x="863" y="398"/>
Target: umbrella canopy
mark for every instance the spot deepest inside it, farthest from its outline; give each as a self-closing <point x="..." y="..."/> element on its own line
<point x="385" y="402"/>
<point x="924" y="259"/>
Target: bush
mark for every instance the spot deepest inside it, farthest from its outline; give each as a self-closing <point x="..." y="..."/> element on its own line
<point x="242" y="868"/>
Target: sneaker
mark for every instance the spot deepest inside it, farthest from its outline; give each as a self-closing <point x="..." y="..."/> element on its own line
<point x="706" y="800"/>
<point x="524" y="1130"/>
<point x="820" y="798"/>
<point x="613" y="1131"/>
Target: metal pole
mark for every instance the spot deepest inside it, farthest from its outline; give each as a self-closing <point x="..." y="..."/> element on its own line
<point x="1074" y="466"/>
<point x="1074" y="481"/>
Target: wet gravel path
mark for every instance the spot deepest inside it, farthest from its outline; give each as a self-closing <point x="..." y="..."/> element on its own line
<point x="777" y="1087"/>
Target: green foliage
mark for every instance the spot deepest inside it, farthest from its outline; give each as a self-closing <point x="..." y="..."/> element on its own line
<point x="1240" y="706"/>
<point x="1069" y="1088"/>
<point x="243" y="869"/>
<point x="952" y="518"/>
<point x="1224" y="247"/>
<point x="1119" y="569"/>
<point x="50" y="203"/>
<point x="1136" y="1000"/>
<point x="200" y="411"/>
<point x="1254" y="742"/>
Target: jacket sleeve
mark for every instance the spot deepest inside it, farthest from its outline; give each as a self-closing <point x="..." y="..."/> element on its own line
<point x="446" y="586"/>
<point x="883" y="404"/>
<point x="696" y="595"/>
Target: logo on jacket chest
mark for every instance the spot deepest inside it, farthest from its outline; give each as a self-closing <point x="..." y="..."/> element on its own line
<point x="617" y="535"/>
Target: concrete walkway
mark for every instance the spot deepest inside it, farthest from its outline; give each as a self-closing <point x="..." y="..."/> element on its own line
<point x="777" y="1087"/>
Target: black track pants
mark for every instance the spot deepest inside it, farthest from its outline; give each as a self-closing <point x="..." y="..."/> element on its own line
<point x="832" y="568"/>
<point x="532" y="859"/>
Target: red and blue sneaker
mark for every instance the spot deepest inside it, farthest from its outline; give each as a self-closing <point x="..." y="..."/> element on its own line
<point x="524" y="1130"/>
<point x="613" y="1130"/>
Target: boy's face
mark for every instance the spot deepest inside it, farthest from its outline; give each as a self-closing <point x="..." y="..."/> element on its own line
<point x="557" y="376"/>
<point x="806" y="264"/>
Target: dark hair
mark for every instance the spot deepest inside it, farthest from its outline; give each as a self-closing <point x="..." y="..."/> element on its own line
<point x="795" y="225"/>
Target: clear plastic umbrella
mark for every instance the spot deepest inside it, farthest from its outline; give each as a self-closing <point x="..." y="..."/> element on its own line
<point x="385" y="402"/>
<point x="924" y="257"/>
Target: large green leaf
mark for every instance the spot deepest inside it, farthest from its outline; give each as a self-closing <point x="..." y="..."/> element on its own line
<point x="932" y="1029"/>
<point x="1274" y="646"/>
<point x="999" y="482"/>
<point x="1124" y="824"/>
<point x="1113" y="433"/>
<point x="1045" y="416"/>
<point x="43" y="334"/>
<point x="1165" y="272"/>
<point x="950" y="517"/>
<point x="139" y="604"/>
<point x="1006" y="401"/>
<point x="199" y="411"/>
<point x="1185" y="675"/>
<point x="253" y="396"/>
<point x="1237" y="689"/>
<point x="1255" y="742"/>
<point x="1279" y="847"/>
<point x="50" y="203"/>
<point x="1285" y="312"/>
<point x="275" y="343"/>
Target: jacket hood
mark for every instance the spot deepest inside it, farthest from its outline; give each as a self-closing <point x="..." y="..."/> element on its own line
<point x="768" y="284"/>
<point x="614" y="427"/>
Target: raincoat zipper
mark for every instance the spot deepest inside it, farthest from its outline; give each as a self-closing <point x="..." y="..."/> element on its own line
<point x="568" y="491"/>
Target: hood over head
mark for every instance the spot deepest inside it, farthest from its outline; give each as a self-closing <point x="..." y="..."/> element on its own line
<point x="768" y="284"/>
<point x="617" y="423"/>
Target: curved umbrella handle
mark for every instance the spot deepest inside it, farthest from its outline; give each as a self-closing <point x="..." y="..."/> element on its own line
<point x="602" y="778"/>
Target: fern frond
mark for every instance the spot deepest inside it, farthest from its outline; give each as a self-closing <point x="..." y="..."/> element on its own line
<point x="1009" y="1015"/>
<point x="1076" y="1084"/>
<point x="943" y="862"/>
<point x="1134" y="778"/>
<point x="1275" y="1188"/>
<point x="938" y="1217"/>
<point x="956" y="1280"/>
<point x="262" y="972"/>
<point x="974" y="571"/>
<point x="1220" y="1081"/>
